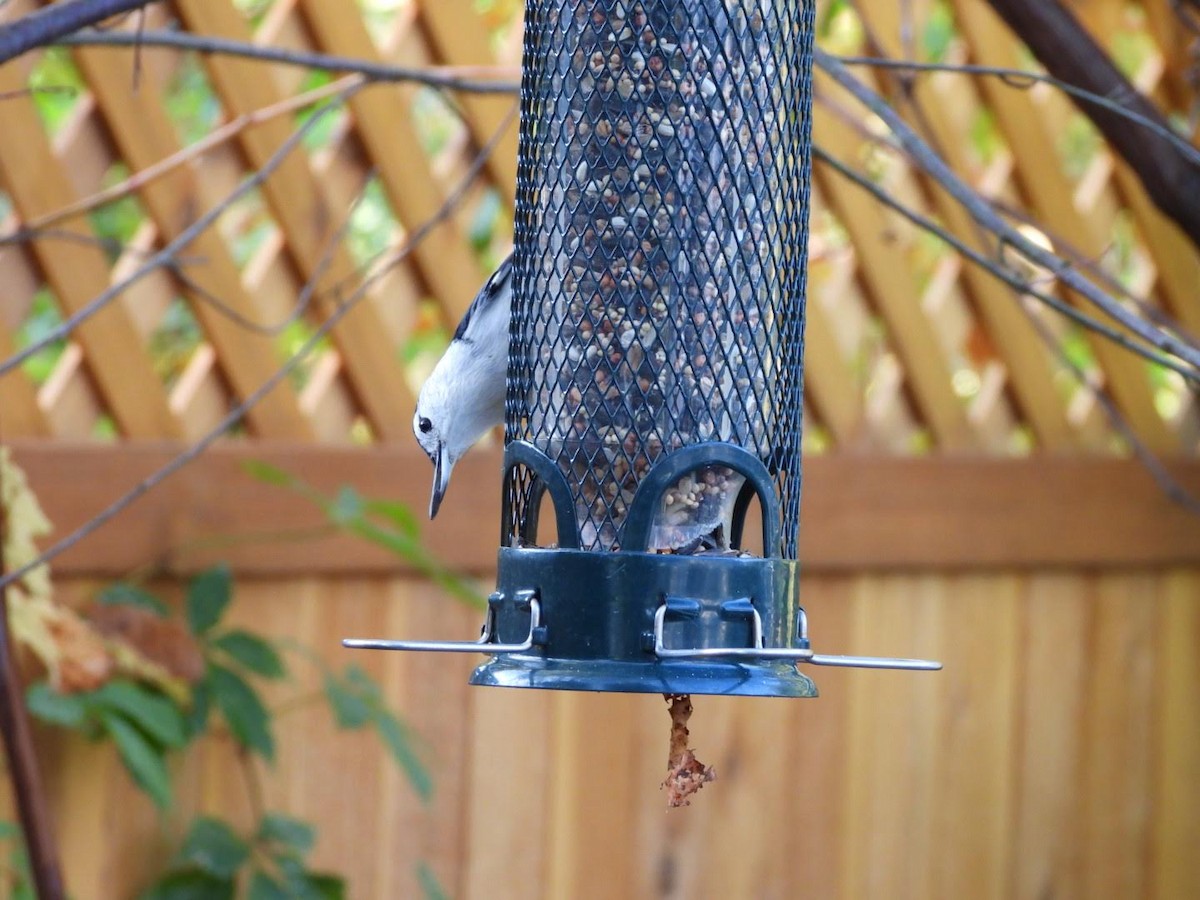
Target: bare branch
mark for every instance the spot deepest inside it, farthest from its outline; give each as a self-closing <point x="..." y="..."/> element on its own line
<point x="997" y="270"/>
<point x="32" y="804"/>
<point x="167" y="256"/>
<point x="1069" y="52"/>
<point x="468" y="79"/>
<point x="987" y="217"/>
<point x="53" y="22"/>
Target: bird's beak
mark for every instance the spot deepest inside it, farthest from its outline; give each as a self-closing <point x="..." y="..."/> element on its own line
<point x="441" y="479"/>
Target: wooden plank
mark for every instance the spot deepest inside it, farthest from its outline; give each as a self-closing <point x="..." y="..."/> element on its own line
<point x="1116" y="783"/>
<point x="885" y="270"/>
<point x="591" y="795"/>
<point x="1177" y="769"/>
<point x="139" y="125"/>
<point x="859" y="511"/>
<point x="309" y="218"/>
<point x="383" y="121"/>
<point x="458" y="33"/>
<point x="974" y="759"/>
<point x="817" y="769"/>
<point x="77" y="272"/>
<point x="508" y="814"/>
<point x="890" y="848"/>
<point x="1053" y="669"/>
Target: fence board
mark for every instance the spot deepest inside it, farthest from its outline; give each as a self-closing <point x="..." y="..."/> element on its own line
<point x="77" y="271"/>
<point x="1054" y="659"/>
<point x="871" y="512"/>
<point x="1176" y="864"/>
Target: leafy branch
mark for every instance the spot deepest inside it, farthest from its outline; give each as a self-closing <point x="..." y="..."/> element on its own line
<point x="148" y="726"/>
<point x="386" y="523"/>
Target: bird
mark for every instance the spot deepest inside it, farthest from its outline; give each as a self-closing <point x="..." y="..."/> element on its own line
<point x="463" y="398"/>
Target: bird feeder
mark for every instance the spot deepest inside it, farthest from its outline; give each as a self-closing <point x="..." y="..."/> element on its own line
<point x="655" y="375"/>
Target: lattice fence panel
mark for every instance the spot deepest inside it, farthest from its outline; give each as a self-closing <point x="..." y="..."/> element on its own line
<point x="910" y="349"/>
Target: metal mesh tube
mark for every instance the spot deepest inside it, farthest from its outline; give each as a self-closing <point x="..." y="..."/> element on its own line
<point x="661" y="227"/>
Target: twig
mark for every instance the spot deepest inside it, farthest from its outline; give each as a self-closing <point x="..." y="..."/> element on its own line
<point x="1087" y="264"/>
<point x="32" y="805"/>
<point x="982" y="212"/>
<point x="52" y="22"/>
<point x="999" y="272"/>
<point x="1023" y="79"/>
<point x="229" y="130"/>
<point x="237" y="413"/>
<point x="165" y="258"/>
<point x="307" y="293"/>
<point x="478" y="79"/>
<point x="449" y="78"/>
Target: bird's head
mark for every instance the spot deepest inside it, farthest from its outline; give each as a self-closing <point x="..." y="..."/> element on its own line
<point x="446" y="423"/>
<point x="428" y="425"/>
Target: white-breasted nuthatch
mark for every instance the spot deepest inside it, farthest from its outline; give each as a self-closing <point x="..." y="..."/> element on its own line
<point x="464" y="395"/>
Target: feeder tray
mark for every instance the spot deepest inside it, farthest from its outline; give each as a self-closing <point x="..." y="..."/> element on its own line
<point x="655" y="377"/>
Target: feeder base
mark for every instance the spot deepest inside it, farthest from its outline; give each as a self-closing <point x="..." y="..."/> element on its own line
<point x="668" y="677"/>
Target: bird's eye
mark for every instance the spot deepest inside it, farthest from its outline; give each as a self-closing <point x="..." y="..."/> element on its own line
<point x="425" y="425"/>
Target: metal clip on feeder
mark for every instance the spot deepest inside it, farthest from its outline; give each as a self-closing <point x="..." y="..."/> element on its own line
<point x="655" y="378"/>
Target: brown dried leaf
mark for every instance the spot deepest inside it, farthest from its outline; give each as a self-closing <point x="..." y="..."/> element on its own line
<point x="163" y="641"/>
<point x="150" y="648"/>
<point x="74" y="656"/>
<point x="83" y="663"/>
<point x="685" y="774"/>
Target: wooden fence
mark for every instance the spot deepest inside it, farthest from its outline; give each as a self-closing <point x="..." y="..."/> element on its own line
<point x="1058" y="755"/>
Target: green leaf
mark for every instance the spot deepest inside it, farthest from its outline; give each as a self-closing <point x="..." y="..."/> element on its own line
<point x="142" y="759"/>
<point x="243" y="709"/>
<point x="430" y="886"/>
<point x="123" y="594"/>
<point x="267" y="473"/>
<point x="191" y="884"/>
<point x="325" y="886"/>
<point x="350" y="709"/>
<point x="64" y="710"/>
<point x="292" y="834"/>
<point x="197" y="717"/>
<point x="9" y="830"/>
<point x="157" y="716"/>
<point x="251" y="651"/>
<point x="208" y="595"/>
<point x="264" y="887"/>
<point x="398" y="740"/>
<point x="400" y="515"/>
<point x="213" y="847"/>
<point x="347" y="506"/>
